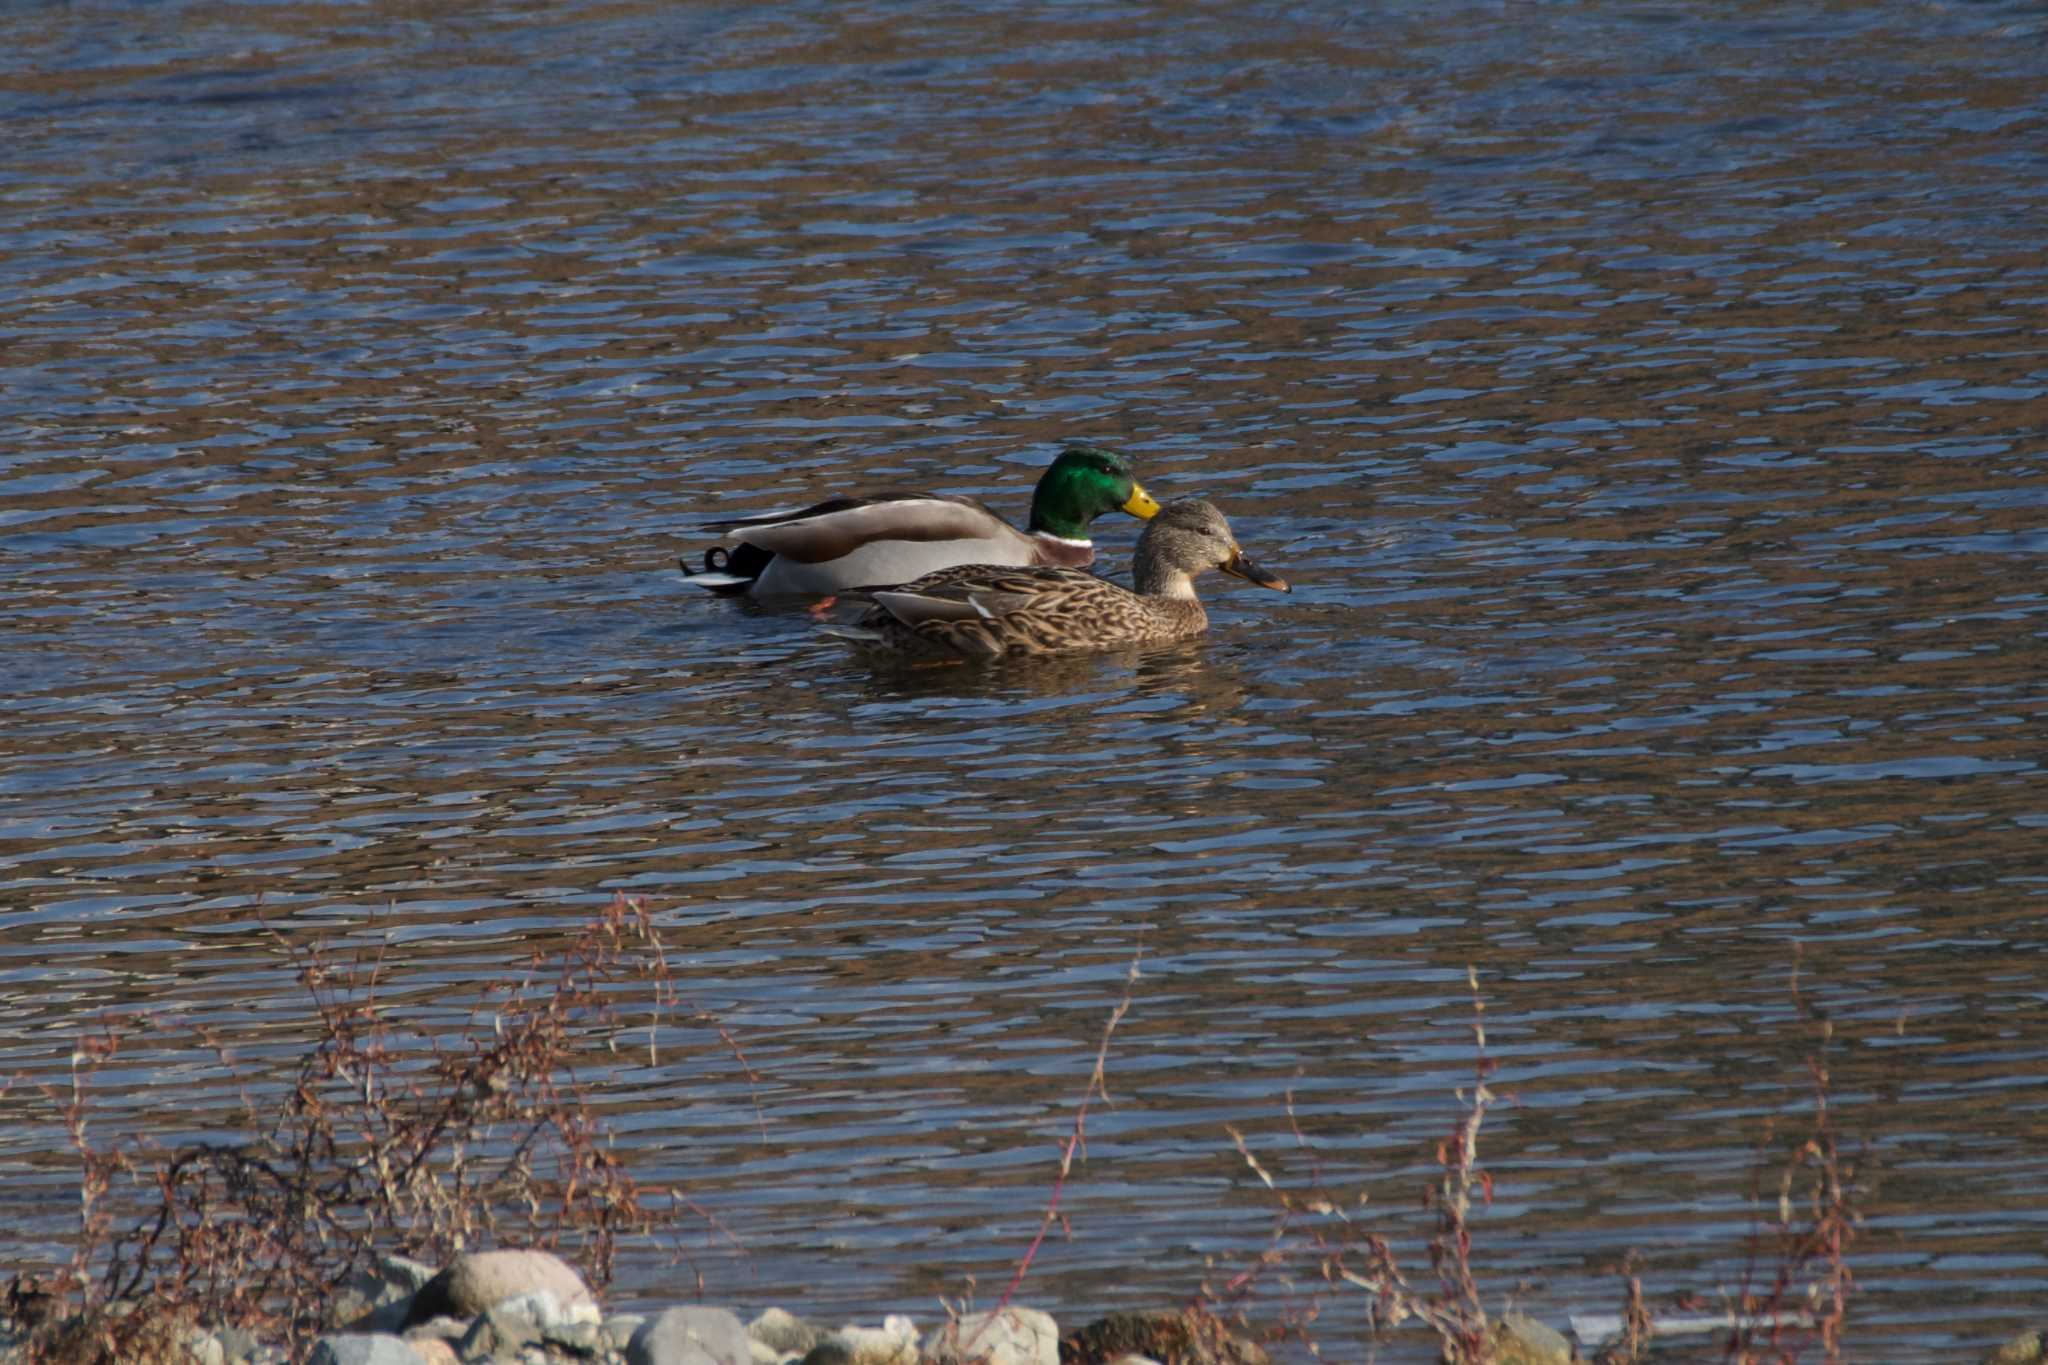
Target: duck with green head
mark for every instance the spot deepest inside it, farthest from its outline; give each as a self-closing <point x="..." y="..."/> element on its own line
<point x="892" y="537"/>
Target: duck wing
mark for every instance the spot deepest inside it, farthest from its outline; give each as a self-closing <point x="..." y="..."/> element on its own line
<point x="837" y="527"/>
<point x="966" y="604"/>
<point x="978" y="610"/>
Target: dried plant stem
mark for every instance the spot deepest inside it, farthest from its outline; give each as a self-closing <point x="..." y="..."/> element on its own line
<point x="1343" y="1252"/>
<point x="1457" y="1315"/>
<point x="1075" y="1140"/>
<point x="392" y="1136"/>
<point x="1808" y="1297"/>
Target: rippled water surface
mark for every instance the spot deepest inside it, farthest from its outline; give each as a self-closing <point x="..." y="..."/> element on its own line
<point x="1647" y="402"/>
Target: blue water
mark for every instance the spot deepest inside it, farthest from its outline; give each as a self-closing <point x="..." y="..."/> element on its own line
<point x="1646" y="403"/>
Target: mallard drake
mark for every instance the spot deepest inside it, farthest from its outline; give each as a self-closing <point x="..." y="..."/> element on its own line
<point x="981" y="611"/>
<point x="891" y="537"/>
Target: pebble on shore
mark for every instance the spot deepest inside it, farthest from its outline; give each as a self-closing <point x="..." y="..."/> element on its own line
<point x="529" y="1307"/>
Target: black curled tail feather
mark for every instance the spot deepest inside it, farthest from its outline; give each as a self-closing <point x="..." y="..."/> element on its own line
<point x="713" y="562"/>
<point x="742" y="561"/>
<point x="747" y="561"/>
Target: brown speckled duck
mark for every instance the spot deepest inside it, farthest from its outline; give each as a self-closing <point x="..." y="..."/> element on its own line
<point x="983" y="611"/>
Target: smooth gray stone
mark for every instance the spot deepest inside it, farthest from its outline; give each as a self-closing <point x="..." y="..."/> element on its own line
<point x="2027" y="1348"/>
<point x="404" y="1272"/>
<point x="1009" y="1336"/>
<point x="363" y="1348"/>
<point x="582" y="1336"/>
<point x="499" y="1334"/>
<point x="893" y="1343"/>
<point x="785" y="1332"/>
<point x="690" y="1336"/>
<point x="1595" y="1330"/>
<point x="240" y="1344"/>
<point x="477" y="1281"/>
<point x="1520" y="1338"/>
<point x="370" y="1305"/>
<point x="378" y="1298"/>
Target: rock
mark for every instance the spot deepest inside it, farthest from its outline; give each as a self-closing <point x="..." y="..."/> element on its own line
<point x="893" y="1343"/>
<point x="241" y="1346"/>
<point x="1006" y="1336"/>
<point x="535" y="1319"/>
<point x="364" y="1317"/>
<point x="2028" y="1348"/>
<point x="404" y="1273"/>
<point x="580" y="1337"/>
<point x="477" y="1281"/>
<point x="1189" y="1338"/>
<point x="827" y="1353"/>
<point x="618" y="1329"/>
<point x="204" y="1348"/>
<point x="362" y="1348"/>
<point x="785" y="1333"/>
<point x="1517" y="1339"/>
<point x="450" y="1330"/>
<point x="372" y="1303"/>
<point x="690" y="1336"/>
<point x="500" y="1333"/>
<point x="377" y="1299"/>
<point x="434" y="1350"/>
<point x="1134" y="1360"/>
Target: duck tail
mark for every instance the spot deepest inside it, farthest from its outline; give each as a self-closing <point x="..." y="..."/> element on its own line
<point x="728" y="572"/>
<point x="859" y="635"/>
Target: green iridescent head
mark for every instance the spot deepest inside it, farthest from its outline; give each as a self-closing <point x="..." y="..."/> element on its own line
<point x="1086" y="482"/>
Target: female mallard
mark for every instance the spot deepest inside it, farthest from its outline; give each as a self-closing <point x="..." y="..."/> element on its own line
<point x="852" y="542"/>
<point x="981" y="611"/>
